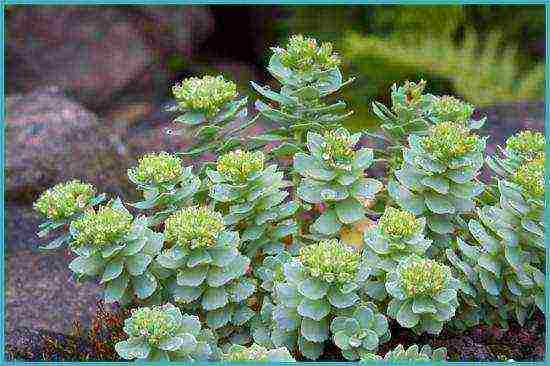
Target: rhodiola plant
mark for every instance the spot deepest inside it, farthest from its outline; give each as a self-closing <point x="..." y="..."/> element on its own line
<point x="165" y="183"/>
<point x="253" y="198"/>
<point x="308" y="73"/>
<point x="333" y="174"/>
<point x="247" y="257"/>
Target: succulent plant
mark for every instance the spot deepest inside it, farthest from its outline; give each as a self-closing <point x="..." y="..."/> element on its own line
<point x="359" y="333"/>
<point x="61" y="204"/>
<point x="519" y="148"/>
<point x="165" y="183"/>
<point x="438" y="176"/>
<point x="412" y="353"/>
<point x="252" y="197"/>
<point x="322" y="282"/>
<point x="424" y="294"/>
<point x="506" y="263"/>
<point x="413" y="112"/>
<point x="163" y="333"/>
<point x="111" y="244"/>
<point x="397" y="235"/>
<point x="257" y="353"/>
<point x="209" y="269"/>
<point x="334" y="175"/>
<point x="308" y="73"/>
<point x="208" y="105"/>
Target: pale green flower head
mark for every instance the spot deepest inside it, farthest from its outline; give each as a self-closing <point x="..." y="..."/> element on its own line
<point x="422" y="277"/>
<point x="397" y="223"/>
<point x="449" y="140"/>
<point x="449" y="108"/>
<point x="153" y="323"/>
<point x="330" y="261"/>
<point x="105" y="226"/>
<point x="238" y="165"/>
<point x="64" y="199"/>
<point x="526" y="144"/>
<point x="194" y="227"/>
<point x="157" y="168"/>
<point x="207" y="94"/>
<point x="303" y="54"/>
<point x="530" y="177"/>
<point x="338" y="149"/>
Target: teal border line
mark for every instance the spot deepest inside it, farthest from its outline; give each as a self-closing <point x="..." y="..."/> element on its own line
<point x="276" y="2"/>
<point x="3" y="3"/>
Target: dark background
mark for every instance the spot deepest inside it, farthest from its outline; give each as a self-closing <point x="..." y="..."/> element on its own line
<point x="86" y="86"/>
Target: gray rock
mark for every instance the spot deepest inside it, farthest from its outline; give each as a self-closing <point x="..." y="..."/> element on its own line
<point x="51" y="139"/>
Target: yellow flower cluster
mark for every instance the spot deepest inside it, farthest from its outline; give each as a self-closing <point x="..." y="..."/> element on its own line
<point x="448" y="108"/>
<point x="303" y="54"/>
<point x="527" y="144"/>
<point x="238" y="165"/>
<point x="398" y="223"/>
<point x="530" y="177"/>
<point x="105" y="226"/>
<point x="449" y="140"/>
<point x="152" y="323"/>
<point x="64" y="199"/>
<point x="193" y="227"/>
<point x="338" y="148"/>
<point x="412" y="93"/>
<point x="330" y="261"/>
<point x="157" y="168"/>
<point x="423" y="277"/>
<point x="207" y="94"/>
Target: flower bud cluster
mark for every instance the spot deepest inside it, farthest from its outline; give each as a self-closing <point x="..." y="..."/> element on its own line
<point x="448" y="108"/>
<point x="423" y="277"/>
<point x="238" y="165"/>
<point x="449" y="140"/>
<point x="207" y="94"/>
<point x="398" y="223"/>
<point x="330" y="261"/>
<point x="194" y="227"/>
<point x="105" y="226"/>
<point x="526" y="144"/>
<point x="530" y="177"/>
<point x="64" y="199"/>
<point x="303" y="54"/>
<point x="152" y="323"/>
<point x="157" y="168"/>
<point x="338" y="148"/>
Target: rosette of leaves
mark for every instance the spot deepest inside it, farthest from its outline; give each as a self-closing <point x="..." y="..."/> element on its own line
<point x="308" y="73"/>
<point x="522" y="147"/>
<point x="257" y="353"/>
<point x="412" y="111"/>
<point x="359" y="333"/>
<point x="165" y="183"/>
<point x="163" y="333"/>
<point x="424" y="294"/>
<point x="397" y="235"/>
<point x="207" y="105"/>
<point x="438" y="176"/>
<point x="252" y="196"/>
<point x="111" y="244"/>
<point x="333" y="174"/>
<point x="413" y="353"/>
<point x="209" y="269"/>
<point x="60" y="205"/>
<point x="321" y="283"/>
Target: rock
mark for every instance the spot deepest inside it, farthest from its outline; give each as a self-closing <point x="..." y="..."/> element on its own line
<point x="21" y="225"/>
<point x="51" y="139"/>
<point x="91" y="52"/>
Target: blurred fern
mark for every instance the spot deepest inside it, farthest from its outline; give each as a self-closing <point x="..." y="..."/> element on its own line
<point x="482" y="75"/>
